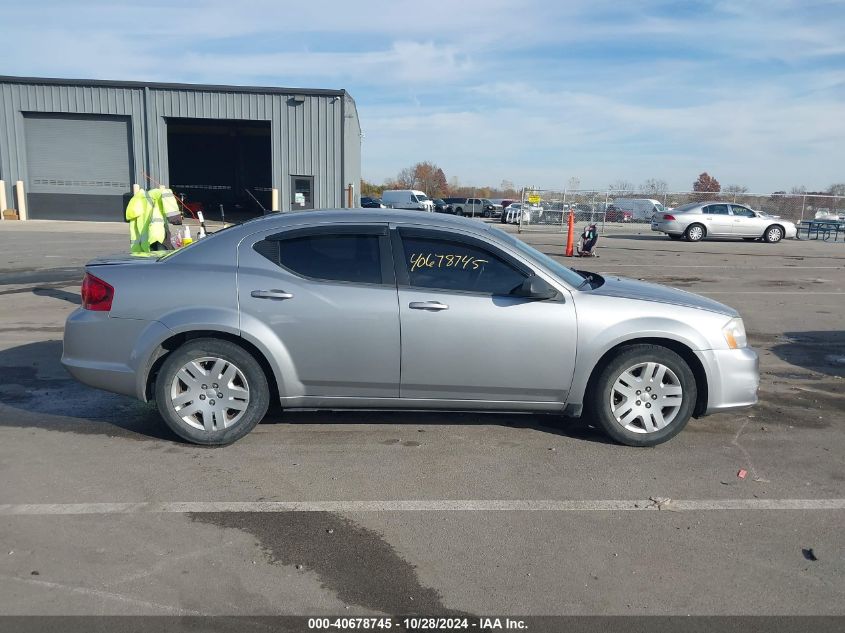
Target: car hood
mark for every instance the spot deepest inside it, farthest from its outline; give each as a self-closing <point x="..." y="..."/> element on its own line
<point x="633" y="289"/>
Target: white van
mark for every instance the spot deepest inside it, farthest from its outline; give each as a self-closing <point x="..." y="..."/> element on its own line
<point x="406" y="199"/>
<point x="640" y="208"/>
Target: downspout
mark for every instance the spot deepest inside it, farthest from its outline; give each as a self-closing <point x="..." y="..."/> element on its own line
<point x="342" y="145"/>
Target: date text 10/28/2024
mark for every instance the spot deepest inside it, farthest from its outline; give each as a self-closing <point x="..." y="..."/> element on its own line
<point x="418" y="623"/>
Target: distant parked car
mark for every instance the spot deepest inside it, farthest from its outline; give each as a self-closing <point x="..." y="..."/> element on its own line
<point x="410" y="199"/>
<point x="475" y="207"/>
<point x="441" y="206"/>
<point x="642" y="209"/>
<point x="617" y="215"/>
<point x="697" y="220"/>
<point x="530" y="213"/>
<point x="371" y="203"/>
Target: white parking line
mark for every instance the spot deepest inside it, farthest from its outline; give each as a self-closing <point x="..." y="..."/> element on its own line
<point x="797" y="267"/>
<point x="763" y="292"/>
<point x="432" y="505"/>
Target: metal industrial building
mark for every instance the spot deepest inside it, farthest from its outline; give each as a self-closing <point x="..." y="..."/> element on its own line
<point x="78" y="146"/>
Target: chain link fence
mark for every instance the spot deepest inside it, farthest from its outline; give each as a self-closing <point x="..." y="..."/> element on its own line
<point x="547" y="210"/>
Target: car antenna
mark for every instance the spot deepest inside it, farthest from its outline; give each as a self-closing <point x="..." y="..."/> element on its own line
<point x="263" y="210"/>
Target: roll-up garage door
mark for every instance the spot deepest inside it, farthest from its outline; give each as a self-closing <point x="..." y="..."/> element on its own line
<point x="78" y="166"/>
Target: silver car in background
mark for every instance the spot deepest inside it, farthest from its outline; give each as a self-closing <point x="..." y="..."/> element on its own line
<point x="698" y="220"/>
<point x="398" y="310"/>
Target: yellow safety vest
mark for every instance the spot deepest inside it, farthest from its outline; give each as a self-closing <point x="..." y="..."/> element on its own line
<point x="146" y="221"/>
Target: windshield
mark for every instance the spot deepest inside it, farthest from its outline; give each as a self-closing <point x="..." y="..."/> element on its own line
<point x="564" y="272"/>
<point x="421" y="197"/>
<point x="660" y="208"/>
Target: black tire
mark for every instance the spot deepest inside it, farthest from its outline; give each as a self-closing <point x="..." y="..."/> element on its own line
<point x="773" y="234"/>
<point x="674" y="237"/>
<point x="599" y="399"/>
<point x="243" y="361"/>
<point x="693" y="235"/>
<point x="459" y="211"/>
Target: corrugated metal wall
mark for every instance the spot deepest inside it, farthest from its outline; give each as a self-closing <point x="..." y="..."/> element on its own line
<point x="308" y="131"/>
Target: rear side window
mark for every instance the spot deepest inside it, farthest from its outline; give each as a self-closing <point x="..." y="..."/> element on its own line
<point x="716" y="209"/>
<point x="346" y="257"/>
<point x="453" y="265"/>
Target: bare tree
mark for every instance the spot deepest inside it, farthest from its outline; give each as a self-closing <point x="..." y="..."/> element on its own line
<point x="735" y="189"/>
<point x="621" y="187"/>
<point x="654" y="187"/>
<point x="837" y="189"/>
<point x="406" y="178"/>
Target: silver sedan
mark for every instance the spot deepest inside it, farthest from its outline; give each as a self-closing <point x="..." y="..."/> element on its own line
<point x="398" y="310"/>
<point x="698" y="220"/>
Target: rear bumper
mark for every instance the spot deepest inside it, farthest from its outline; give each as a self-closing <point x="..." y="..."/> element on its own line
<point x="733" y="378"/>
<point x="111" y="353"/>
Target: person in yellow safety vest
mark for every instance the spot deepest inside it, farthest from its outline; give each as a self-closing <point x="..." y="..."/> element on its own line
<point x="147" y="224"/>
<point x="164" y="198"/>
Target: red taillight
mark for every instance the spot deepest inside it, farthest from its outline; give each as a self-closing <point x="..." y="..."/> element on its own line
<point x="666" y="216"/>
<point x="96" y="294"/>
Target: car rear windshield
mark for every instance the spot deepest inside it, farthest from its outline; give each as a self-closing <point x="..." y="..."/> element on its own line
<point x="567" y="274"/>
<point x="686" y="207"/>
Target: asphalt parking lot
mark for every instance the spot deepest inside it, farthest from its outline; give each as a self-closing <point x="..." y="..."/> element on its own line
<point x="430" y="513"/>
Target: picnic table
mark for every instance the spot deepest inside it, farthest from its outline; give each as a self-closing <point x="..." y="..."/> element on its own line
<point x="822" y="229"/>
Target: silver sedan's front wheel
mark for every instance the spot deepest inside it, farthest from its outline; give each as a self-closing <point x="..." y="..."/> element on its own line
<point x="211" y="391"/>
<point x="774" y="234"/>
<point x="644" y="395"/>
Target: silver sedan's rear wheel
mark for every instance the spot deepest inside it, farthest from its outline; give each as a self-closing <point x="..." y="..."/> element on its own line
<point x="695" y="233"/>
<point x="211" y="391"/>
<point x="643" y="396"/>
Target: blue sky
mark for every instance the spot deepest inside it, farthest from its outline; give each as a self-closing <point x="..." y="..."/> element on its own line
<point x="533" y="92"/>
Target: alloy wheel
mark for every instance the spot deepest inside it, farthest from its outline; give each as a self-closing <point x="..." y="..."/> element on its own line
<point x="695" y="233"/>
<point x="210" y="393"/>
<point x="646" y="397"/>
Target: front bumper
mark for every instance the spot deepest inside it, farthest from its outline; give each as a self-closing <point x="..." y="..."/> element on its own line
<point x="733" y="377"/>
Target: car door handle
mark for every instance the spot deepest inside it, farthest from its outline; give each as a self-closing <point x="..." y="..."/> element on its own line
<point x="427" y="305"/>
<point x="271" y="294"/>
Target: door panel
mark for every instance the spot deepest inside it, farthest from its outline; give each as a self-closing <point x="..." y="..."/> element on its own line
<point x="744" y="224"/>
<point x="465" y="337"/>
<point x="717" y="219"/>
<point x="342" y="338"/>
<point x="486" y="348"/>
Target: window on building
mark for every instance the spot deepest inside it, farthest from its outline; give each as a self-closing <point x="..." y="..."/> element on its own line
<point x="302" y="192"/>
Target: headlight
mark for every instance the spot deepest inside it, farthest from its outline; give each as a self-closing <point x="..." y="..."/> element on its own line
<point x="734" y="332"/>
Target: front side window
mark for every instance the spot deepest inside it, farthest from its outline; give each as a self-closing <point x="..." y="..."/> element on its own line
<point x="743" y="212"/>
<point x="346" y="257"/>
<point x="458" y="266"/>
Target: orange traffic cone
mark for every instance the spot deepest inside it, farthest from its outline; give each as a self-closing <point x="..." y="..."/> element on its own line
<point x="570" y="238"/>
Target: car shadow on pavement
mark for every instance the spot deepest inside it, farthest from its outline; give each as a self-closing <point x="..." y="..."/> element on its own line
<point x="37" y="393"/>
<point x="575" y="428"/>
<point x="56" y="293"/>
<point x="822" y="352"/>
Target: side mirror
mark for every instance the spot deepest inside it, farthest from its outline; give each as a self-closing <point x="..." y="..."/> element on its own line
<point x="534" y="287"/>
